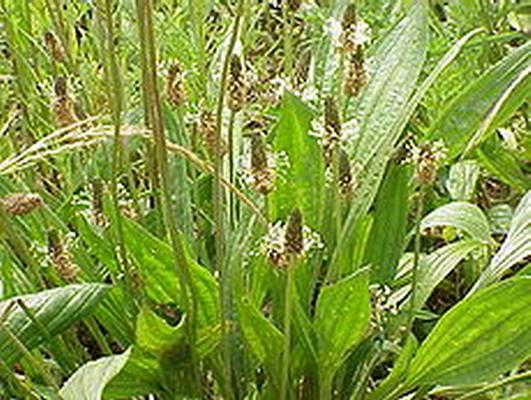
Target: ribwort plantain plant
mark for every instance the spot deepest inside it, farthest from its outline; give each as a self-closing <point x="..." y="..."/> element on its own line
<point x="264" y="200"/>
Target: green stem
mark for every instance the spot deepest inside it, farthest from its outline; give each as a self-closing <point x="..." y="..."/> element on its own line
<point x="496" y="385"/>
<point x="285" y="387"/>
<point x="115" y="82"/>
<point x="19" y="247"/>
<point x="199" y="40"/>
<point x="187" y="288"/>
<point x="416" y="256"/>
<point x="19" y="386"/>
<point x="36" y="363"/>
<point x="232" y="204"/>
<point x="218" y="208"/>
<point x="288" y="46"/>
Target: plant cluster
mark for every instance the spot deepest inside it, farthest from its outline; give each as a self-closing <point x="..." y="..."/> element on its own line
<point x="284" y="199"/>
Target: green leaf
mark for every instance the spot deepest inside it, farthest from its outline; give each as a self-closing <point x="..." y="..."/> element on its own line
<point x="399" y="371"/>
<point x="502" y="163"/>
<point x="436" y="266"/>
<point x="88" y="382"/>
<point x="157" y="267"/>
<point x="263" y="338"/>
<point x="341" y="319"/>
<point x="462" y="118"/>
<point x="462" y="180"/>
<point x="383" y="111"/>
<point x="386" y="240"/>
<point x="515" y="248"/>
<point x="53" y="310"/>
<point x="154" y="335"/>
<point x="140" y="376"/>
<point x="480" y="338"/>
<point x="300" y="185"/>
<point x="500" y="217"/>
<point x="181" y="186"/>
<point x="461" y="215"/>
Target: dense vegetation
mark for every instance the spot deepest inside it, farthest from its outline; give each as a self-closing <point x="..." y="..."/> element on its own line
<point x="246" y="199"/>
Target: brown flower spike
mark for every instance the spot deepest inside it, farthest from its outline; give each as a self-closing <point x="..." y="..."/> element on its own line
<point x="294" y="241"/>
<point x="54" y="47"/>
<point x="262" y="175"/>
<point x="60" y="258"/>
<point x="20" y="203"/>
<point x="63" y="108"/>
<point x="237" y="86"/>
<point x="175" y="85"/>
<point x="348" y="26"/>
<point x="332" y="130"/>
<point x="355" y="74"/>
<point x="346" y="181"/>
<point x="207" y="131"/>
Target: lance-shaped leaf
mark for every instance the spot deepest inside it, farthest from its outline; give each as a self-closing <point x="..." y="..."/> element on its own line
<point x="383" y="112"/>
<point x="399" y="371"/>
<point x="436" y="266"/>
<point x="461" y="215"/>
<point x="32" y="318"/>
<point x="480" y="338"/>
<point x="89" y="381"/>
<point x="386" y="240"/>
<point x="462" y="118"/>
<point x="462" y="180"/>
<point x="515" y="248"/>
<point x="157" y="267"/>
<point x="263" y="338"/>
<point x="342" y="316"/>
<point x="300" y="182"/>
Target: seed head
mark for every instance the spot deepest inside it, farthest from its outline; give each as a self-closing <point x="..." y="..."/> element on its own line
<point x="54" y="47"/>
<point x="294" y="240"/>
<point x="332" y="121"/>
<point x="346" y="182"/>
<point x="354" y="32"/>
<point x="98" y="216"/>
<point x="274" y="245"/>
<point x="427" y="159"/>
<point x="262" y="173"/>
<point x="332" y="130"/>
<point x="207" y="131"/>
<point x="237" y="85"/>
<point x="294" y="4"/>
<point x="63" y="106"/>
<point x="175" y="85"/>
<point x="349" y="16"/>
<point x="355" y="74"/>
<point x="20" y="203"/>
<point x="60" y="258"/>
<point x="302" y="69"/>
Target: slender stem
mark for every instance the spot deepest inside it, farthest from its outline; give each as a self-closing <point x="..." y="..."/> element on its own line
<point x="325" y="387"/>
<point x="19" y="247"/>
<point x="20" y="386"/>
<point x="288" y="51"/>
<point x="199" y="40"/>
<point x="495" y="385"/>
<point x="38" y="364"/>
<point x="232" y="203"/>
<point x="416" y="256"/>
<point x="218" y="208"/>
<point x="336" y="201"/>
<point x="284" y="388"/>
<point x="115" y="82"/>
<point x="145" y="19"/>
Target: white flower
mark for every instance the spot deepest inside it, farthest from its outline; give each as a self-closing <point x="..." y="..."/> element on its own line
<point x="334" y="30"/>
<point x="361" y="33"/>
